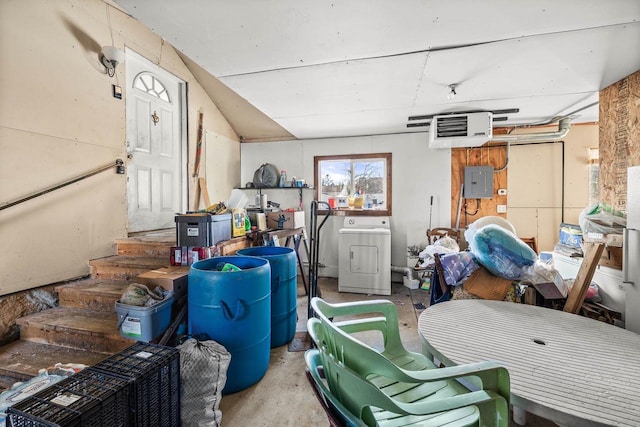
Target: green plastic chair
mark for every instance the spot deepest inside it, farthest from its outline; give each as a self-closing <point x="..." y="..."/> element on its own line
<point x="338" y="415"/>
<point x="375" y="408"/>
<point x="393" y="377"/>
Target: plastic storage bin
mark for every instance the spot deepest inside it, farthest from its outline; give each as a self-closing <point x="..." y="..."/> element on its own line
<point x="202" y="229"/>
<point x="86" y="398"/>
<point x="144" y="323"/>
<point x="152" y="373"/>
<point x="570" y="235"/>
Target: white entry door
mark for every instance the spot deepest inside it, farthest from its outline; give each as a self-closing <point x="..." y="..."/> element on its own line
<point x="156" y="178"/>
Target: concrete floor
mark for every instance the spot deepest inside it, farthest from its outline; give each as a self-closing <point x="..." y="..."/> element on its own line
<point x="283" y="397"/>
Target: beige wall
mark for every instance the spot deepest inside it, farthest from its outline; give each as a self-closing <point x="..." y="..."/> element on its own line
<point x="58" y="119"/>
<point x="534" y="204"/>
<point x="418" y="173"/>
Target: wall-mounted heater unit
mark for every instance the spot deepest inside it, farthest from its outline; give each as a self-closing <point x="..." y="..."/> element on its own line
<point x="460" y="130"/>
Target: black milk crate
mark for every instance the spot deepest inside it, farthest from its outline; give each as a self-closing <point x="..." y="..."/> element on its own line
<point x="153" y="373"/>
<point x="84" y="399"/>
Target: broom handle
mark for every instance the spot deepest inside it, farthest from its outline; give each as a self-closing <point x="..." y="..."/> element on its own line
<point x="430" y="211"/>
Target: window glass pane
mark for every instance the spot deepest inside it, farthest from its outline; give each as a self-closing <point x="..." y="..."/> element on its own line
<point x="335" y="177"/>
<point x="361" y="179"/>
<point x="152" y="86"/>
<point x="369" y="179"/>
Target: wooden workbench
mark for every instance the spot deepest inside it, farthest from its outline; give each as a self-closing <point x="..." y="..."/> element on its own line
<point x="288" y="237"/>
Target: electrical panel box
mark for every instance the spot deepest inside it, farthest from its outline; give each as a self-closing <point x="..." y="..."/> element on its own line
<point x="478" y="182"/>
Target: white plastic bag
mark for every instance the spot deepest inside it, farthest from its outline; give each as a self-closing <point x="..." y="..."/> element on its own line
<point x="444" y="245"/>
<point x="602" y="219"/>
<point x="543" y="272"/>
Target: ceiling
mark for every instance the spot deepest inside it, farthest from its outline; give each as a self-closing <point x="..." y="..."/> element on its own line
<point x="316" y="69"/>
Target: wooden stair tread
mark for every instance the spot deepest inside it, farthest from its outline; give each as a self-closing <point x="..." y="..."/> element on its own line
<point x="162" y="236"/>
<point x="98" y="287"/>
<point x="145" y="249"/>
<point x="127" y="268"/>
<point x="23" y="359"/>
<point x="156" y="244"/>
<point x="154" y="241"/>
<point x="92" y="294"/>
<point x="81" y="321"/>
<point x="72" y="327"/>
<point x="136" y="262"/>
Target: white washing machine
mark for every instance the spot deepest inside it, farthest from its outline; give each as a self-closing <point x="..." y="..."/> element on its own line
<point x="364" y="255"/>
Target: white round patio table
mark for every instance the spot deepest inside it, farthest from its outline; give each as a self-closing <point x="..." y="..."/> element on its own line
<point x="569" y="369"/>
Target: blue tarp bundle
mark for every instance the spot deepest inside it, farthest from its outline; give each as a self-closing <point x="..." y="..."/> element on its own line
<point x="500" y="251"/>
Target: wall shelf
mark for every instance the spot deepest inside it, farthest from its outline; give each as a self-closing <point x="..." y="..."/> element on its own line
<point x="260" y="190"/>
<point x="275" y="188"/>
<point x="298" y="189"/>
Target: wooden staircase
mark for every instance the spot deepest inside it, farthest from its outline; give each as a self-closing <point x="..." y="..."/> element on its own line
<point x="82" y="329"/>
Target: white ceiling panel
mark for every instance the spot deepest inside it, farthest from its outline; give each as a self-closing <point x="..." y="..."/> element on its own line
<point x="347" y="86"/>
<point x="578" y="62"/>
<point x="378" y="122"/>
<point x="242" y="36"/>
<point x="359" y="67"/>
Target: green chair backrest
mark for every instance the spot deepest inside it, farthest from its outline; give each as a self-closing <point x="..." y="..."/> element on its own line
<point x="377" y="374"/>
<point x="382" y="317"/>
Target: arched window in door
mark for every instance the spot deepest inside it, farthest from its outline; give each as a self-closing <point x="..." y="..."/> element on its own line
<point x="150" y="84"/>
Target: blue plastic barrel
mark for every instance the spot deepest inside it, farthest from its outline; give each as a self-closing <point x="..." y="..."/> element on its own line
<point x="284" y="276"/>
<point x="234" y="309"/>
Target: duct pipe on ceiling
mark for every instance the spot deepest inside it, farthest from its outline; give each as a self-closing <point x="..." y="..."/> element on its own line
<point x="563" y="129"/>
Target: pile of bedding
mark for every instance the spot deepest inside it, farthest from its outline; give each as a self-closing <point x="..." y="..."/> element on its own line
<point x="508" y="264"/>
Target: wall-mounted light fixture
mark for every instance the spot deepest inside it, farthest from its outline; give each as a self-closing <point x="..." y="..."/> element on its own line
<point x="452" y="91"/>
<point x="110" y="57"/>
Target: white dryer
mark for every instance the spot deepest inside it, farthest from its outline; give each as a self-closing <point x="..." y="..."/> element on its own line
<point x="364" y="255"/>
